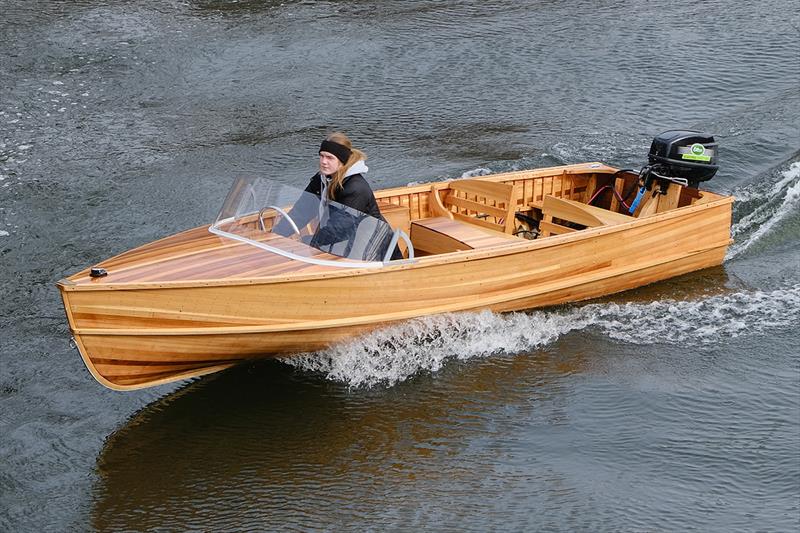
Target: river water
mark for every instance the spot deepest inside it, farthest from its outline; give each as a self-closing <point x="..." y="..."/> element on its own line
<point x="670" y="408"/>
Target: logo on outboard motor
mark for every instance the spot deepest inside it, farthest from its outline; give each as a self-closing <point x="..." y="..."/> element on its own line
<point x="696" y="152"/>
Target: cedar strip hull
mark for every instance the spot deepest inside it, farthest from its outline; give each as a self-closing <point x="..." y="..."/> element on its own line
<point x="139" y="335"/>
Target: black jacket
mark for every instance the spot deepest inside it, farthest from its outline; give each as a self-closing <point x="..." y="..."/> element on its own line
<point x="355" y="193"/>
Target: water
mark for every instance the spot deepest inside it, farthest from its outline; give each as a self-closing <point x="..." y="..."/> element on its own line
<point x="670" y="408"/>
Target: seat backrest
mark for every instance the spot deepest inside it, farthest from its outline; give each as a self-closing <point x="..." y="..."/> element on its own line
<point x="483" y="203"/>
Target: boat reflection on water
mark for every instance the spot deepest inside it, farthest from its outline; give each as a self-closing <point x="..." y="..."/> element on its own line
<point x="265" y="442"/>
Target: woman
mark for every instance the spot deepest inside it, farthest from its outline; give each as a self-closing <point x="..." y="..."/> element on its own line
<point x="340" y="179"/>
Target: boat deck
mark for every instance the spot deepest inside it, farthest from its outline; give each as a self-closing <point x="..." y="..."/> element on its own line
<point x="197" y="255"/>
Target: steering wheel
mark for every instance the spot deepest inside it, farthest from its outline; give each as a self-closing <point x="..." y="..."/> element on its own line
<point x="282" y="212"/>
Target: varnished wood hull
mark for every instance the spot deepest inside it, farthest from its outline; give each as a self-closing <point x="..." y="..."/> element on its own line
<point x="134" y="335"/>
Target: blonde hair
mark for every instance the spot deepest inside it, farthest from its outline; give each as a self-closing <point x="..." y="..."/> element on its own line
<point x="356" y="155"/>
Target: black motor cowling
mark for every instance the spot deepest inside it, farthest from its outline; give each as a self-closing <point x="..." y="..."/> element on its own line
<point x="683" y="154"/>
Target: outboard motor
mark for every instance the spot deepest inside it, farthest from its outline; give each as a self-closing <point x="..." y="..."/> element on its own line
<point x="686" y="155"/>
<point x="679" y="156"/>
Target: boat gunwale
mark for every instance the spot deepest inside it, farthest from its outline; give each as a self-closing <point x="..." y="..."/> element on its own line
<point x="68" y="285"/>
<point x="594" y="167"/>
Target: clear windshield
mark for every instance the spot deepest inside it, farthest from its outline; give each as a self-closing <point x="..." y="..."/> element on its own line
<point x="297" y="224"/>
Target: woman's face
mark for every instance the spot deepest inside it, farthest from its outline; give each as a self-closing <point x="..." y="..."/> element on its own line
<point x="328" y="163"/>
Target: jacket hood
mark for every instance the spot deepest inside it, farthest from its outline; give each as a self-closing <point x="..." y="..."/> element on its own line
<point x="358" y="168"/>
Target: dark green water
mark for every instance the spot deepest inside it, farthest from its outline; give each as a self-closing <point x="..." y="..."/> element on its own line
<point x="670" y="408"/>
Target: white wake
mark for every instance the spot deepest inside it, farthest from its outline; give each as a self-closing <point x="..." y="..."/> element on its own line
<point x="778" y="201"/>
<point x="395" y="353"/>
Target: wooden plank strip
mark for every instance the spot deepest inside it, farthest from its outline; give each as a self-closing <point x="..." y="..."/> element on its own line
<point x="156" y="313"/>
<point x="166" y="264"/>
<point x="591" y="188"/>
<point x="564" y="210"/>
<point x="413" y="203"/>
<point x="147" y="254"/>
<point x="430" y="241"/>
<point x="140" y="383"/>
<point x="486" y="189"/>
<point x="538" y="193"/>
<point x="669" y="201"/>
<point x="126" y="370"/>
<point x="150" y="378"/>
<point x="210" y="261"/>
<point x="527" y="194"/>
<point x="223" y="262"/>
<point x="553" y="229"/>
<point x="478" y="207"/>
<point x="453" y="235"/>
<point x="619" y="184"/>
<point x="586" y="215"/>
<point x="467" y="232"/>
<point x="478" y="222"/>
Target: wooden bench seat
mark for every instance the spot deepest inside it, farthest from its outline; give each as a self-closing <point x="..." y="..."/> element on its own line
<point x="577" y="213"/>
<point x="482" y="203"/>
<point x="471" y="214"/>
<point x="440" y="235"/>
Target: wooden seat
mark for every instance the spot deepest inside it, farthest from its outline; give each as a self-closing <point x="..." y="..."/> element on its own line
<point x="577" y="213"/>
<point x="440" y="235"/>
<point x="472" y="214"/>
<point x="483" y="203"/>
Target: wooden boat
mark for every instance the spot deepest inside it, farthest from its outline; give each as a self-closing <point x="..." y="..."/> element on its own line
<point x="203" y="300"/>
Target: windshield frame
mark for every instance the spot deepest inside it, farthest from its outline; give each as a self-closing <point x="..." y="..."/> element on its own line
<point x="249" y="197"/>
